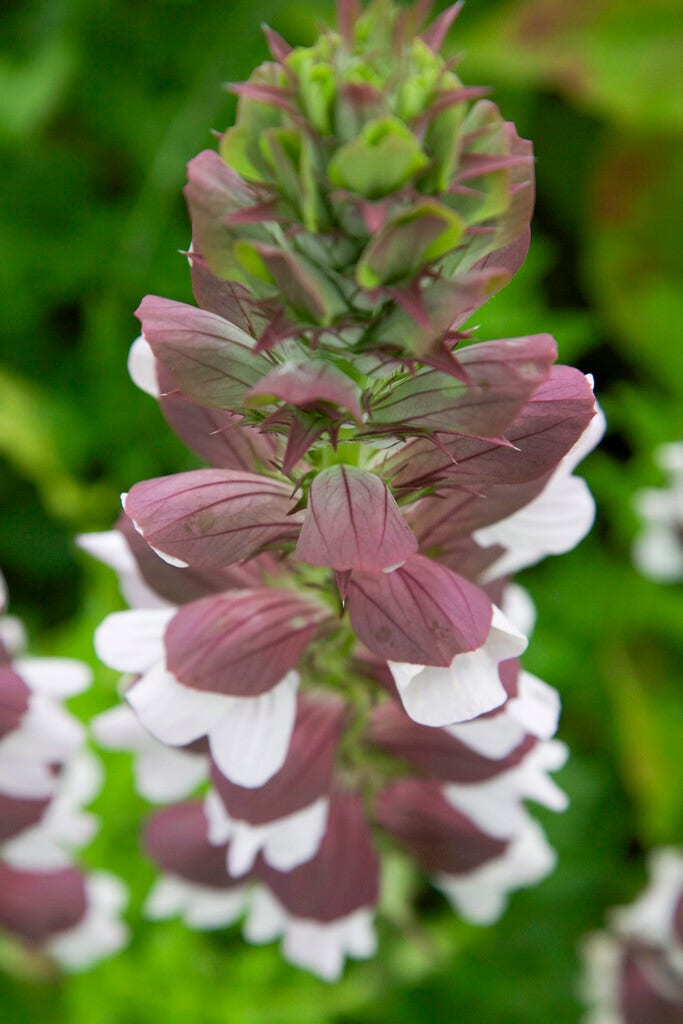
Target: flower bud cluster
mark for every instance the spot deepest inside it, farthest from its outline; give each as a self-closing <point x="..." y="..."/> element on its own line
<point x="633" y="973"/>
<point x="48" y="904"/>
<point x="322" y="622"/>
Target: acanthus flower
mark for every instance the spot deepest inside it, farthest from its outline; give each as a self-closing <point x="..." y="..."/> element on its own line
<point x="633" y="972"/>
<point x="331" y="593"/>
<point x="48" y="904"/>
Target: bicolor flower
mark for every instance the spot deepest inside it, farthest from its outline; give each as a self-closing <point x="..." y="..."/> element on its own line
<point x="204" y="671"/>
<point x="633" y="973"/>
<point x="194" y="882"/>
<point x="163" y="774"/>
<point x="72" y="917"/>
<point x="474" y="869"/>
<point x="40" y="834"/>
<point x="331" y="591"/>
<point x="323" y="909"/>
<point x="658" y="549"/>
<point x="46" y="777"/>
<point x="284" y="820"/>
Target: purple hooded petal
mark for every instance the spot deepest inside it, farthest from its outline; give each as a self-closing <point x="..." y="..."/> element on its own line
<point x="308" y="384"/>
<point x="341" y="878"/>
<point x="439" y="837"/>
<point x="209" y="359"/>
<point x="641" y="999"/>
<point x="535" y="442"/>
<point x="422" y="318"/>
<point x="211" y="517"/>
<point x="176" y="840"/>
<point x="504" y="375"/>
<point x="213" y="192"/>
<point x="14" y="696"/>
<point x="240" y="644"/>
<point x="219" y="437"/>
<point x="179" y="586"/>
<point x="353" y="522"/>
<point x="17" y="813"/>
<point x="228" y="299"/>
<point x="435" y="752"/>
<point x="35" y="905"/>
<point x="306" y="774"/>
<point x="421" y="613"/>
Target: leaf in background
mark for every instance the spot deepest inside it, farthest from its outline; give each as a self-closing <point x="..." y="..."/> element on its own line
<point x="619" y="58"/>
<point x="29" y="439"/>
<point x="633" y="264"/>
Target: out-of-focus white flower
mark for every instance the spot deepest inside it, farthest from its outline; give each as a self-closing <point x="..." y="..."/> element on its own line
<point x="658" y="549"/>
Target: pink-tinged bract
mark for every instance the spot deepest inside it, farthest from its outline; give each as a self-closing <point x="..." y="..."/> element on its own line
<point x="353" y="522"/>
<point x="240" y="644"/>
<point x="421" y="613"/>
<point x="209" y="517"/>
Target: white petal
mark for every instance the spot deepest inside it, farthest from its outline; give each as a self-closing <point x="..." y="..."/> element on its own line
<point x="469" y="687"/>
<point x="249" y="742"/>
<point x="64" y="826"/>
<point x="315" y="947"/>
<point x="12" y="634"/>
<point x="296" y="838"/>
<point x="658" y="553"/>
<point x="266" y="920"/>
<point x="518" y="607"/>
<point x="551" y="524"/>
<point x="670" y="458"/>
<point x="602" y="956"/>
<point x="162" y="775"/>
<point x="481" y="895"/>
<point x="496" y="805"/>
<point x="55" y="677"/>
<point x="322" y="947"/>
<point x="201" y="907"/>
<point x="495" y="736"/>
<point x="47" y="846"/>
<point x="27" y="778"/>
<point x="246" y="841"/>
<point x="359" y="935"/>
<point x="47" y="734"/>
<point x="173" y="713"/>
<point x="219" y="824"/>
<point x="133" y="641"/>
<point x="119" y="729"/>
<point x="650" y="918"/>
<point x="99" y="933"/>
<point x="142" y="367"/>
<point x="111" y="548"/>
<point x="536" y="707"/>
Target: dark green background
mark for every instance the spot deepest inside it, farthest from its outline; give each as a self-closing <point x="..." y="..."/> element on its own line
<point x="101" y="105"/>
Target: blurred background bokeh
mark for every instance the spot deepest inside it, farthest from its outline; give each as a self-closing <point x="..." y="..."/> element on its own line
<point x="102" y="103"/>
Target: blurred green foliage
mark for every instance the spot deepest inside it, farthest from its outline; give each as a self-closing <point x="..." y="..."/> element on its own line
<point x="102" y="102"/>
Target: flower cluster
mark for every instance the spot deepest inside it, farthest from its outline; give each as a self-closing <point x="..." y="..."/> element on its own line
<point x="47" y="903"/>
<point x="658" y="550"/>
<point x="634" y="972"/>
<point x="322" y="621"/>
